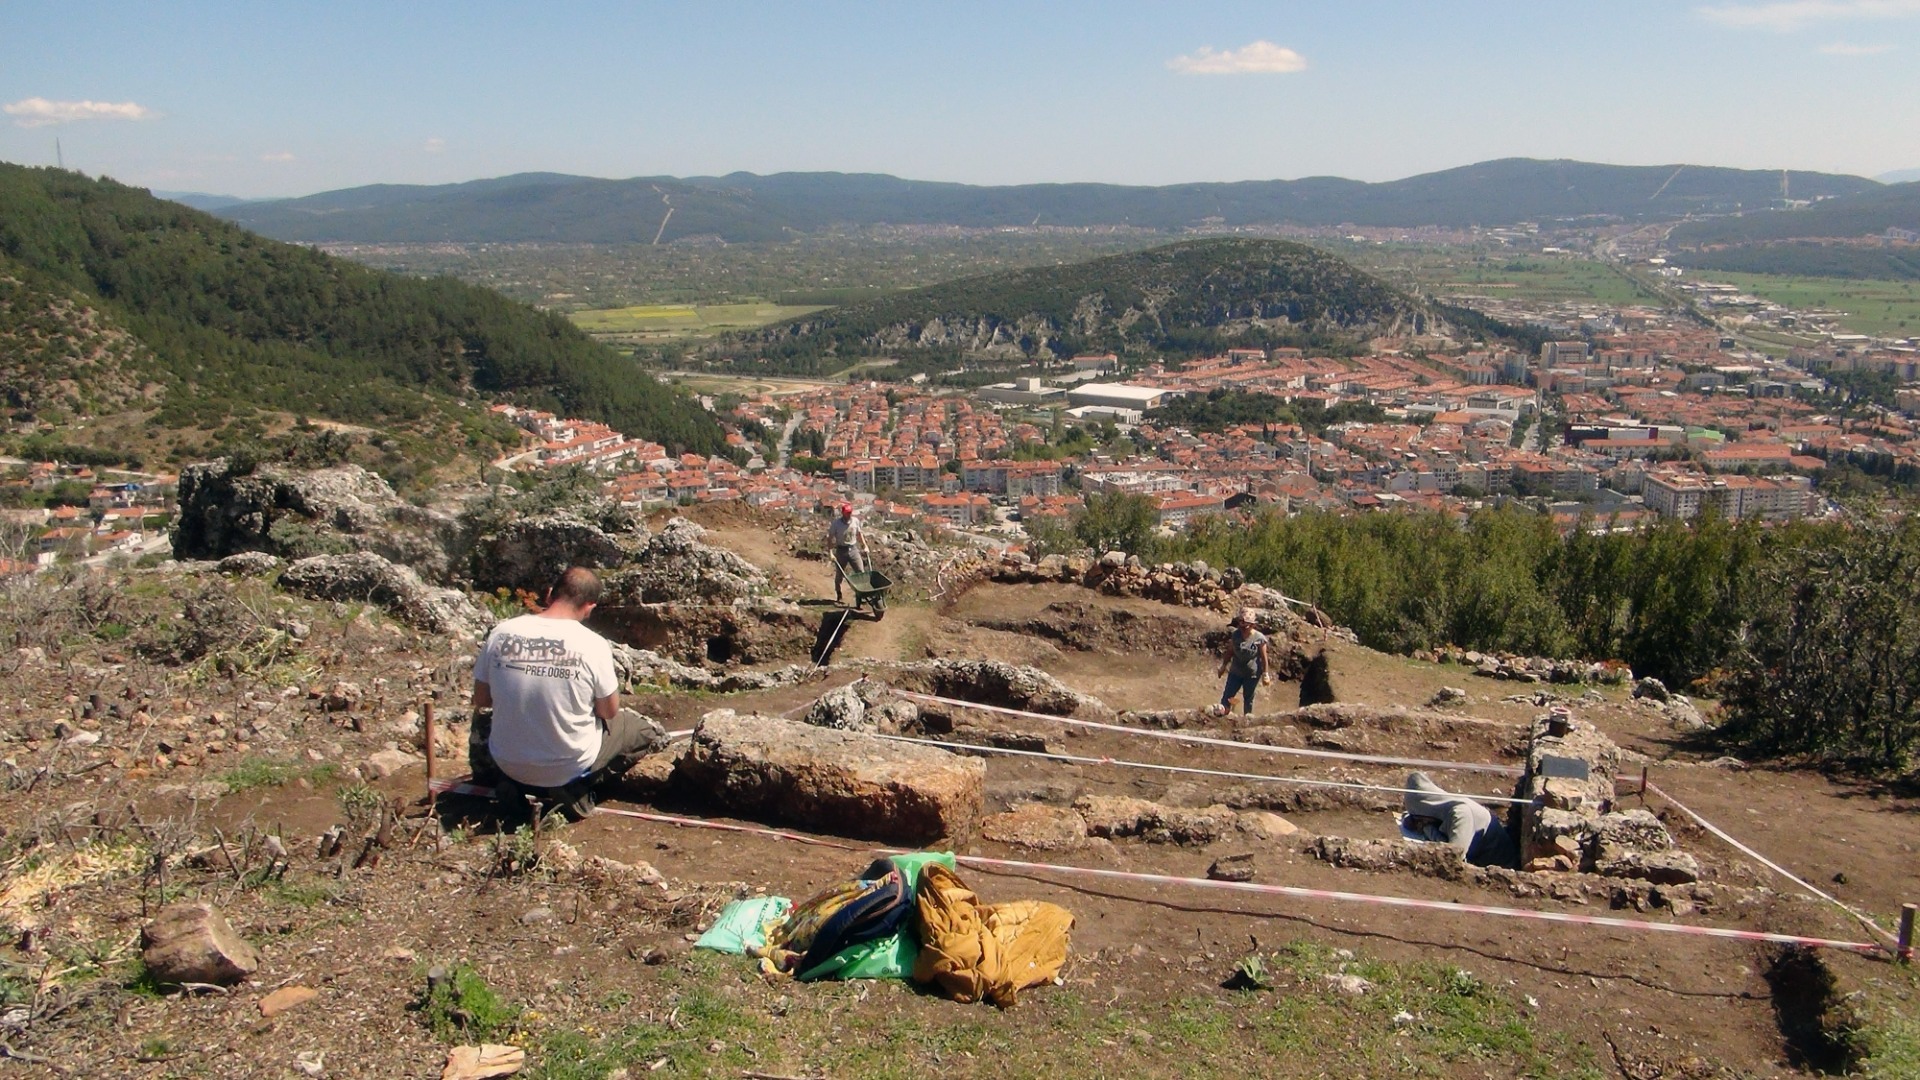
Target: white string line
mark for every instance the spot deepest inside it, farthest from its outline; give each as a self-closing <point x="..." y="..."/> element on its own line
<point x="1769" y="863"/>
<point x="1305" y="781"/>
<point x="1203" y="740"/>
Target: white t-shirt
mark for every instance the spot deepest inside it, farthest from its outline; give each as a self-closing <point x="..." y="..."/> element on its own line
<point x="545" y="675"/>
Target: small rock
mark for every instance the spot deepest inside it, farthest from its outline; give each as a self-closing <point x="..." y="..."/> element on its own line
<point x="1232" y="868"/>
<point x="1448" y="695"/>
<point x="397" y="953"/>
<point x="483" y="1062"/>
<point x="537" y="915"/>
<point x="311" y="1063"/>
<point x="1352" y="985"/>
<point x="83" y="738"/>
<point x="284" y="999"/>
<point x="385" y="763"/>
<point x="192" y="943"/>
<point x="1266" y="825"/>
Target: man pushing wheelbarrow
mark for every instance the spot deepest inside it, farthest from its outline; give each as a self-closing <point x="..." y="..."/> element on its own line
<point x="851" y="566"/>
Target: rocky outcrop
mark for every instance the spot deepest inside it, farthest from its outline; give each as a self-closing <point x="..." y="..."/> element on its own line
<point x="192" y="943"/>
<point x="677" y="566"/>
<point x="760" y="630"/>
<point x="646" y="666"/>
<point x="367" y="578"/>
<point x="229" y="506"/>
<point x="840" y="782"/>
<point x="530" y="552"/>
<point x="862" y="705"/>
<point x="990" y="682"/>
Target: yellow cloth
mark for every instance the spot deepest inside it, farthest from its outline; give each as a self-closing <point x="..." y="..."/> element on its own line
<point x="975" y="951"/>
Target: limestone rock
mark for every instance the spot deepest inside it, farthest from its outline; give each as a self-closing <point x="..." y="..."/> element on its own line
<point x="250" y="563"/>
<point x="1266" y="825"/>
<point x="1112" y="817"/>
<point x="1037" y="826"/>
<point x="230" y="506"/>
<point x="384" y="763"/>
<point x="837" y="781"/>
<point x="990" y="682"/>
<point x="1658" y="867"/>
<point x="485" y="1062"/>
<point x="1379" y="856"/>
<point x="530" y="552"/>
<point x="677" y="565"/>
<point x="284" y="999"/>
<point x="840" y="709"/>
<point x="192" y="943"/>
<point x="1652" y="689"/>
<point x="1684" y="715"/>
<point x="1448" y="695"/>
<point x="367" y="578"/>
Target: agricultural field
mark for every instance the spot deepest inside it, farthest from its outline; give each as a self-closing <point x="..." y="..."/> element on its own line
<point x="666" y="322"/>
<point x="1882" y="308"/>
<point x="1545" y="280"/>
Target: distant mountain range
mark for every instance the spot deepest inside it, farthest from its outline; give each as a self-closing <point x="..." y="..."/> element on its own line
<point x="1193" y="297"/>
<point x="743" y="207"/>
<point x="1899" y="176"/>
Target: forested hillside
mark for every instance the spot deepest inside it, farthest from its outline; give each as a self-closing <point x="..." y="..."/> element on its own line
<point x="745" y="208"/>
<point x="1182" y="299"/>
<point x="215" y="323"/>
<point x="1861" y="214"/>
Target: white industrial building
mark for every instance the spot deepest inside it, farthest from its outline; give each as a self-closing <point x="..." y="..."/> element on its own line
<point x="1119" y="396"/>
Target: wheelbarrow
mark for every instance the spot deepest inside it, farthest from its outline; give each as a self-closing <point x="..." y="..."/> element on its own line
<point x="869" y="588"/>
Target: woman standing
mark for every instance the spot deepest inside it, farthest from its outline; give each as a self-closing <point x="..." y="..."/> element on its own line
<point x="1244" y="663"/>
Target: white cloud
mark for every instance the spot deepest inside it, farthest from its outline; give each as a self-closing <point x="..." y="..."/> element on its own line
<point x="1259" y="58"/>
<point x="278" y="157"/>
<point x="434" y="145"/>
<point x="1842" y="48"/>
<point x="1788" y="15"/>
<point x="39" y="112"/>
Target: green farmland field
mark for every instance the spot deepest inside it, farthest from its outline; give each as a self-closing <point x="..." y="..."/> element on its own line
<point x="1574" y="280"/>
<point x="1885" y="308"/>
<point x="668" y="321"/>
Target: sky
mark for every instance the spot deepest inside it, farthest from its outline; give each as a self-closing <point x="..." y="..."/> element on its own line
<point x="293" y="97"/>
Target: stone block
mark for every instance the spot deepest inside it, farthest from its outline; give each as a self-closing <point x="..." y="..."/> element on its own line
<point x="192" y="943"/>
<point x="842" y="782"/>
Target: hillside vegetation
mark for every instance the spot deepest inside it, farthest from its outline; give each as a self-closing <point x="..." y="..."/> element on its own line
<point x="745" y="208"/>
<point x="212" y="324"/>
<point x="1863" y="213"/>
<point x="1183" y="299"/>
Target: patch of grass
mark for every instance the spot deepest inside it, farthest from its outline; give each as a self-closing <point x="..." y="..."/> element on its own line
<point x="463" y="1008"/>
<point x="684" y="320"/>
<point x="700" y="1019"/>
<point x="299" y="893"/>
<point x="1872" y="306"/>
<point x="265" y="772"/>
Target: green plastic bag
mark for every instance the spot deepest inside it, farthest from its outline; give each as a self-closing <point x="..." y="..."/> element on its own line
<point x="743" y="924"/>
<point x="890" y="957"/>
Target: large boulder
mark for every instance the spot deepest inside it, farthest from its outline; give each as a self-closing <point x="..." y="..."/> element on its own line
<point x="530" y="552"/>
<point x="367" y="578"/>
<point x="841" y="782"/>
<point x="678" y="566"/>
<point x="231" y="505"/>
<point x="192" y="943"/>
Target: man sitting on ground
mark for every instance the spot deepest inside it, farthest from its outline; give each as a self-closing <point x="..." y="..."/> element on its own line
<point x="1471" y="829"/>
<point x="558" y="727"/>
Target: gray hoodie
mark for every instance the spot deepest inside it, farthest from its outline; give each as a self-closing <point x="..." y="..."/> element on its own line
<point x="1469" y="827"/>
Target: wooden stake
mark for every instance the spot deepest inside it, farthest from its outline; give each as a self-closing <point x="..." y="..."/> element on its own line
<point x="426" y="714"/>
<point x="1643" y="781"/>
<point x="1906" y="932"/>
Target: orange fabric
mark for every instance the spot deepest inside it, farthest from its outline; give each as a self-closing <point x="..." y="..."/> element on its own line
<point x="978" y="952"/>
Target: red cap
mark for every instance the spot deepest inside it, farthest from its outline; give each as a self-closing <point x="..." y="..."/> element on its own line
<point x="846" y="508"/>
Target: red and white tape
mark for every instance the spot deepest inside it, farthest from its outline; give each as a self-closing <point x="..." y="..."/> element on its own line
<point x="1293" y="891"/>
<point x="1231" y="744"/>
